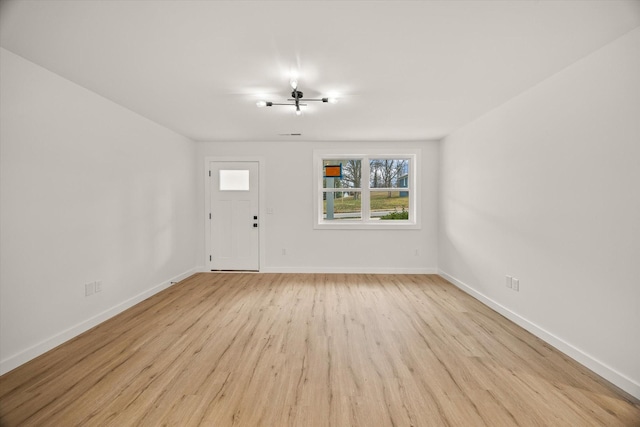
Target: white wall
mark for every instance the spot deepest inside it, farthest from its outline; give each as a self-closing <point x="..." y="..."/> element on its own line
<point x="289" y="190"/>
<point x="547" y="188"/>
<point x="89" y="191"/>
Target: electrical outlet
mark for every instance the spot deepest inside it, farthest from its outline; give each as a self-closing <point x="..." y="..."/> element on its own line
<point x="98" y="286"/>
<point x="284" y="251"/>
<point x="515" y="283"/>
<point x="89" y="289"/>
<point x="508" y="282"/>
<point x="417" y="252"/>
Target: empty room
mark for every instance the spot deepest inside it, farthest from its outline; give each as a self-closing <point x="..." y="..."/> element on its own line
<point x="319" y="213"/>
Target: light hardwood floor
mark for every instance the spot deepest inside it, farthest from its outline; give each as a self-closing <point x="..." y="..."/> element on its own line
<point x="310" y="350"/>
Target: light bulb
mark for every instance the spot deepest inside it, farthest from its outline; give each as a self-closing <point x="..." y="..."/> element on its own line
<point x="298" y="112"/>
<point x="261" y="104"/>
<point x="294" y="83"/>
<point x="333" y="100"/>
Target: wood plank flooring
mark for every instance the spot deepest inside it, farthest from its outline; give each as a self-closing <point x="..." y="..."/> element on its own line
<point x="309" y="350"/>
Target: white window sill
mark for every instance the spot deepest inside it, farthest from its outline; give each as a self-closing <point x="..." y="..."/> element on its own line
<point x="374" y="225"/>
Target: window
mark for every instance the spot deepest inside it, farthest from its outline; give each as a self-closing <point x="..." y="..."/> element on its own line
<point x="373" y="190"/>
<point x="234" y="180"/>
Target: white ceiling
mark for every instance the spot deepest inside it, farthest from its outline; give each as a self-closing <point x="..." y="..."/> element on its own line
<point x="412" y="70"/>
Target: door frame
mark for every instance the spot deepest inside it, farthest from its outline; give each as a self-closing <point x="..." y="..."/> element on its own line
<point x="261" y="203"/>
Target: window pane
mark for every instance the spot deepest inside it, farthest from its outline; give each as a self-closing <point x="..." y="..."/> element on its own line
<point x="341" y="205"/>
<point x="389" y="173"/>
<point x="389" y="205"/>
<point x="234" y="180"/>
<point x="351" y="174"/>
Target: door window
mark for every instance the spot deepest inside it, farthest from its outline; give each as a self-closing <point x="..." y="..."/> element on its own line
<point x="234" y="180"/>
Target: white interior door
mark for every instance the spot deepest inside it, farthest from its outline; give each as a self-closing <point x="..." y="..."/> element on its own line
<point x="234" y="216"/>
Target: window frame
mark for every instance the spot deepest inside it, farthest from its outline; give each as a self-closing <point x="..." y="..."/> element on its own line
<point x="366" y="223"/>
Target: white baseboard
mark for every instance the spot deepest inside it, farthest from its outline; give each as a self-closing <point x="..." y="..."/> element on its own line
<point x="600" y="368"/>
<point x="32" y="352"/>
<point x="349" y="270"/>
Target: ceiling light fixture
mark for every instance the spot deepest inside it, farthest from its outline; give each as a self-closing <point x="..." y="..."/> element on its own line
<point x="296" y="97"/>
